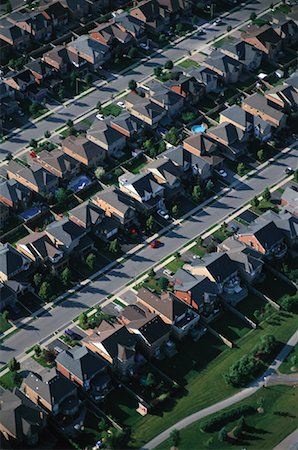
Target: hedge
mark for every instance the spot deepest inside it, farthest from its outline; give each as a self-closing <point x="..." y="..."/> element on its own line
<point x="216" y="423"/>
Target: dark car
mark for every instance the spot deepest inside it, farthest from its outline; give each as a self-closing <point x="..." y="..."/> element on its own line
<point x="70" y="333"/>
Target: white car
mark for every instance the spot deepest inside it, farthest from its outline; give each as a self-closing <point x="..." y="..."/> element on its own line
<point x="217" y="22"/>
<point x="163" y="214"/>
<point x="121" y="104"/>
<point x="168" y="273"/>
<point x="222" y="173"/>
<point x="99" y="116"/>
<point x="144" y="46"/>
<point x="58" y="350"/>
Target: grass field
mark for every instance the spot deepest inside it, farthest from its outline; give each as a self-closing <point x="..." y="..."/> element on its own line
<point x="111" y="110"/>
<point x="175" y="265"/>
<point x="262" y="431"/>
<point x="9" y="382"/>
<point x="287" y="365"/>
<point x="189" y="63"/>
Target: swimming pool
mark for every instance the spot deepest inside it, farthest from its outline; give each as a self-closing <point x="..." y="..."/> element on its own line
<point x="30" y="213"/>
<point x="79" y="183"/>
<point x="198" y="128"/>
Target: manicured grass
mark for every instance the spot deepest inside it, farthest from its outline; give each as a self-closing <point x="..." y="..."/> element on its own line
<point x="151" y="283"/>
<point x="223" y="41"/>
<point x="274" y="287"/>
<point x="175" y="265"/>
<point x="287" y="365"/>
<point x="197" y="366"/>
<point x="41" y="360"/>
<point x="4" y="324"/>
<point x="263" y="430"/>
<point x="120" y="405"/>
<point x="189" y="63"/>
<point x="111" y="110"/>
<point x="198" y="250"/>
<point x="230" y="326"/>
<point x="250" y="304"/>
<point x="8" y="382"/>
<point x="263" y="206"/>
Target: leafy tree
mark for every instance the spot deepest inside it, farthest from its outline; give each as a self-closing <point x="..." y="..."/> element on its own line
<point x="118" y="172"/>
<point x="152" y="152"/>
<point x="151" y="273"/>
<point x="169" y="65"/>
<point x="266" y="194"/>
<point x="102" y="425"/>
<point x="175" y="210"/>
<point x="114" y="246"/>
<point x="241" y="169"/>
<point x="98" y="106"/>
<point x="175" y="437"/>
<point x="5" y="314"/>
<point x="261" y="155"/>
<point x="33" y="143"/>
<point x="8" y="7"/>
<point x="34" y="108"/>
<point x="37" y="279"/>
<point x="150" y="223"/>
<point x="90" y="260"/>
<point x="293" y="360"/>
<point x="253" y="16"/>
<point x="61" y="92"/>
<point x="209" y="185"/>
<point x="229" y="28"/>
<point x="69" y="123"/>
<point x="157" y="71"/>
<point x="99" y="172"/>
<point x="255" y="202"/>
<point x="133" y="53"/>
<point x="172" y="136"/>
<point x="65" y="276"/>
<point x="88" y="79"/>
<point x="257" y="315"/>
<point x="37" y="350"/>
<point x="150" y="379"/>
<point x="163" y="283"/>
<point x="83" y="320"/>
<point x="47" y="134"/>
<point x="45" y="290"/>
<point x="132" y="85"/>
<point x="222" y="435"/>
<point x="61" y="195"/>
<point x="13" y="365"/>
<point x="73" y="78"/>
<point x="162" y="147"/>
<point x="194" y="20"/>
<point x="178" y="28"/>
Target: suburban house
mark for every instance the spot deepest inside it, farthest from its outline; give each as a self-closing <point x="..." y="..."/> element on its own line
<point x="147" y="111"/>
<point x="107" y="137"/>
<point x="287" y="30"/>
<point x="115" y="344"/>
<point x="21" y="421"/>
<point x="144" y="188"/>
<point x="34" y="22"/>
<point x="264" y="38"/>
<point x="117" y="206"/>
<point x="283" y="97"/>
<point x="39" y="248"/>
<point x="35" y="177"/>
<point x="18" y="38"/>
<point x="174" y="312"/>
<point x="111" y="35"/>
<point x="40" y="70"/>
<point x="151" y="332"/>
<point x="52" y="392"/>
<point x="258" y="105"/>
<point x="12" y="263"/>
<point x="229" y="69"/>
<point x="15" y="195"/>
<point x="8" y="104"/>
<point x="199" y="292"/>
<point x="77" y="8"/>
<point x="155" y="17"/>
<point x="22" y="82"/>
<point x="166" y="98"/>
<point x="166" y="174"/>
<point x="223" y="271"/>
<point x="248" y="261"/>
<point x="85" y="369"/>
<point x="231" y="139"/>
<point x="57" y="14"/>
<point x="128" y="125"/>
<point x="58" y="58"/>
<point x="89" y="50"/>
<point x="248" y="55"/>
<point x="4" y="215"/>
<point x="247" y="122"/>
<point x="208" y="77"/>
<point x="70" y="237"/>
<point x="189" y="87"/>
<point x="289" y="199"/>
<point x="58" y="163"/>
<point x="84" y="151"/>
<point x="131" y="25"/>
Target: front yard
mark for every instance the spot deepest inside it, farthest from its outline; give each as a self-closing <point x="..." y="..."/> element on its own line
<point x="4" y="324"/>
<point x="11" y="380"/>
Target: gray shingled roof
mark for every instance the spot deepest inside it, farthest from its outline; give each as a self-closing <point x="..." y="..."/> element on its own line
<point x="11" y="260"/>
<point x="244" y="119"/>
<point x="219" y="265"/>
<point x="65" y="231"/>
<point x="223" y="62"/>
<point x="88" y="213"/>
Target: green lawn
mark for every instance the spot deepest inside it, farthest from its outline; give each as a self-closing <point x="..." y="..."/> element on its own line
<point x="111" y="110"/>
<point x="250" y="304"/>
<point x="262" y="430"/>
<point x="263" y="206"/>
<point x="152" y="284"/>
<point x="288" y="364"/>
<point x="9" y="382"/>
<point x="189" y="63"/>
<point x="175" y="265"/>
<point x="4" y="324"/>
<point x="197" y="366"/>
<point x="41" y="360"/>
<point x="230" y="326"/>
<point x="223" y="41"/>
<point x="198" y="250"/>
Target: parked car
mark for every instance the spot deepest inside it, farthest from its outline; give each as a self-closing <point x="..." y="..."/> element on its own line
<point x="201" y="32"/>
<point x="99" y="116"/>
<point x="289" y="170"/>
<point x="168" y="273"/>
<point x="70" y="333"/>
<point x="163" y="214"/>
<point x="144" y="46"/>
<point x="217" y="22"/>
<point x="155" y="244"/>
<point x="234" y="227"/>
<point x="58" y="350"/>
<point x="222" y="173"/>
<point x="121" y="104"/>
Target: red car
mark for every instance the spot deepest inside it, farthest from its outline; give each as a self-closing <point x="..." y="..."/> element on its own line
<point x="155" y="243"/>
<point x="33" y="154"/>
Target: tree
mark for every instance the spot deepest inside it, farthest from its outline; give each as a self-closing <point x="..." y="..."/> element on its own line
<point x="163" y="283"/>
<point x="133" y="52"/>
<point x="99" y="172"/>
<point x="257" y="315"/>
<point x="157" y="71"/>
<point x="222" y="435"/>
<point x="98" y="106"/>
<point x="90" y="260"/>
<point x="37" y="279"/>
<point x="132" y="85"/>
<point x="194" y="20"/>
<point x="45" y="290"/>
<point x="88" y="79"/>
<point x="209" y="185"/>
<point x="13" y="365"/>
<point x="261" y="155"/>
<point x="69" y="123"/>
<point x="37" y="350"/>
<point x="253" y="16"/>
<point x="151" y="273"/>
<point x="102" y="425"/>
<point x="197" y="193"/>
<point x="60" y="195"/>
<point x="8" y="7"/>
<point x="61" y="92"/>
<point x="162" y="147"/>
<point x="266" y="195"/>
<point x="65" y="276"/>
<point x="229" y="28"/>
<point x="293" y="360"/>
<point x="5" y="315"/>
<point x="241" y="169"/>
<point x="83" y="320"/>
<point x="73" y="78"/>
<point x="175" y="437"/>
<point x="114" y="246"/>
<point x="178" y="28"/>
<point x="150" y="379"/>
<point x="118" y="172"/>
<point x="34" y="108"/>
<point x="169" y="65"/>
<point x="172" y="136"/>
<point x="255" y="202"/>
<point x="175" y="210"/>
<point x="33" y="143"/>
<point x="150" y="223"/>
<point x="47" y="134"/>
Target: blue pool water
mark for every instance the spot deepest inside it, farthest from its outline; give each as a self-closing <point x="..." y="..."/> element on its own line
<point x="198" y="128"/>
<point x="79" y="183"/>
<point x="30" y="213"/>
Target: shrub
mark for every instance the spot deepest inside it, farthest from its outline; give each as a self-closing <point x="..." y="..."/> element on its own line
<point x="163" y="283"/>
<point x="222" y="419"/>
<point x="290" y="303"/>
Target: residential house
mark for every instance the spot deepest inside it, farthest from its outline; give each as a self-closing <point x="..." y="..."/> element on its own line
<point x="248" y="261"/>
<point x="247" y="122"/>
<point x="200" y="152"/>
<point x="4" y="215"/>
<point x="293" y="14"/>
<point x="208" y="77"/>
<point x="18" y="38"/>
<point x="77" y="8"/>
<point x="89" y="50"/>
<point x="144" y="189"/>
<point x="223" y="271"/>
<point x="58" y="58"/>
<point x="85" y="369"/>
<point x="166" y="98"/>
<point x="145" y="110"/>
<point x="199" y="292"/>
<point x="264" y="38"/>
<point x="58" y="163"/>
<point x="231" y="139"/>
<point x="6" y="51"/>
<point x="57" y="14"/>
<point x="8" y="103"/>
<point x="283" y="97"/>
<point x="189" y="87"/>
<point x="258" y="105"/>
<point x="128" y="125"/>
<point x="40" y="249"/>
<point x="21" y="421"/>
<point x="289" y="199"/>
<point x="131" y="25"/>
<point x="151" y="332"/>
<point x="117" y="205"/>
<point x="112" y="36"/>
<point x="40" y="70"/>
<point x="167" y="174"/>
<point x="22" y="82"/>
<point x="38" y="26"/>
<point x="70" y="237"/>
<point x="292" y="81"/>
<point x="85" y="151"/>
<point x="176" y="8"/>
<point x="107" y="137"/>
<point x="229" y="69"/>
<point x="174" y="312"/>
<point x="34" y="177"/>
<point x="249" y="56"/>
<point x="155" y="17"/>
<point x="15" y="195"/>
<point x="114" y="343"/>
<point x="52" y="392"/>
<point x="7" y="297"/>
<point x="287" y="30"/>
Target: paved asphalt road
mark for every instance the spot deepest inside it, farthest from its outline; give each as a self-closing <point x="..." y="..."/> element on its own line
<point x="241" y="395"/>
<point x="290" y="443"/>
<point x="79" y="107"/>
<point x="139" y="263"/>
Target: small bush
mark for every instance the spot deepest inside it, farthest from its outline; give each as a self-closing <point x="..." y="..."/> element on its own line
<point x="217" y="422"/>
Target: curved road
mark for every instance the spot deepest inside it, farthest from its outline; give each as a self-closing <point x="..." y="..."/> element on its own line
<point x="247" y="392"/>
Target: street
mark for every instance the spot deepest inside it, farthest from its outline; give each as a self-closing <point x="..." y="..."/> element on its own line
<point x="118" y="277"/>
